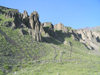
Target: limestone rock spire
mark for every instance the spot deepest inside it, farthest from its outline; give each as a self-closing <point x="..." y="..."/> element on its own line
<point x="35" y="25"/>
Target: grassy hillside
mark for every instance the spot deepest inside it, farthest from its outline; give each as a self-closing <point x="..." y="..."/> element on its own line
<point x="21" y="55"/>
<point x="59" y="62"/>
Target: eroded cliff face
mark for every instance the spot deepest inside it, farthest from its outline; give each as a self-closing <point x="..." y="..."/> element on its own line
<point x="91" y="39"/>
<point x="30" y="25"/>
<point x="35" y="25"/>
<point x="24" y="21"/>
<point x="61" y="27"/>
<point x="48" y="28"/>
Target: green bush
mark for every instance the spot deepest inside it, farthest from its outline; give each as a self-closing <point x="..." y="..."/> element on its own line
<point x="7" y="67"/>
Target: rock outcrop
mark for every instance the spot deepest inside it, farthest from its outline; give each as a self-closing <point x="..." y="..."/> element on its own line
<point x="61" y="27"/>
<point x="27" y="24"/>
<point x="30" y="25"/>
<point x="35" y="25"/>
<point x="49" y="25"/>
<point x="25" y="18"/>
<point x="48" y="28"/>
<point x="90" y="39"/>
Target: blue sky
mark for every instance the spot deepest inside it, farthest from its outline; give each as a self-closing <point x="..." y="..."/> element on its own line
<point x="73" y="13"/>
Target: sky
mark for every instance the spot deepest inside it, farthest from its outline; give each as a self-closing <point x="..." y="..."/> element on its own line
<point x="74" y="13"/>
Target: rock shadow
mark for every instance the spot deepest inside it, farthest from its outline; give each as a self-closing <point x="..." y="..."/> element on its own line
<point x="55" y="37"/>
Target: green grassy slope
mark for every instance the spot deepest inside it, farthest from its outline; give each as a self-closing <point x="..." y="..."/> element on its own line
<point x="81" y="62"/>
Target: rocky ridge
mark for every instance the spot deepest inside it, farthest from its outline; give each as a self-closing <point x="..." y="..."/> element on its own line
<point x="91" y="39"/>
<point x="23" y="20"/>
<point x="38" y="30"/>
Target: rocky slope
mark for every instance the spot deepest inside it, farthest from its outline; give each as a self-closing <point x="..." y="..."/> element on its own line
<point x="88" y="37"/>
<point x="91" y="39"/>
<point x="22" y="21"/>
<point x="38" y="30"/>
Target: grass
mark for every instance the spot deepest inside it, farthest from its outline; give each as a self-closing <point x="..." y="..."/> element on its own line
<point x="6" y="10"/>
<point x="80" y="63"/>
<point x="48" y="55"/>
<point x="68" y="68"/>
<point x="4" y="19"/>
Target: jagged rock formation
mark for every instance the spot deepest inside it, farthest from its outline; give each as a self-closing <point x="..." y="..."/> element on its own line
<point x="23" y="21"/>
<point x="30" y="25"/>
<point x="35" y="25"/>
<point x="61" y="27"/>
<point x="25" y="18"/>
<point x="90" y="39"/>
<point x="49" y="29"/>
<point x="48" y="24"/>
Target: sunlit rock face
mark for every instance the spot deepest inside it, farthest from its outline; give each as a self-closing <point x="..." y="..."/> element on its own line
<point x="35" y="25"/>
<point x="61" y="27"/>
<point x="91" y="39"/>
